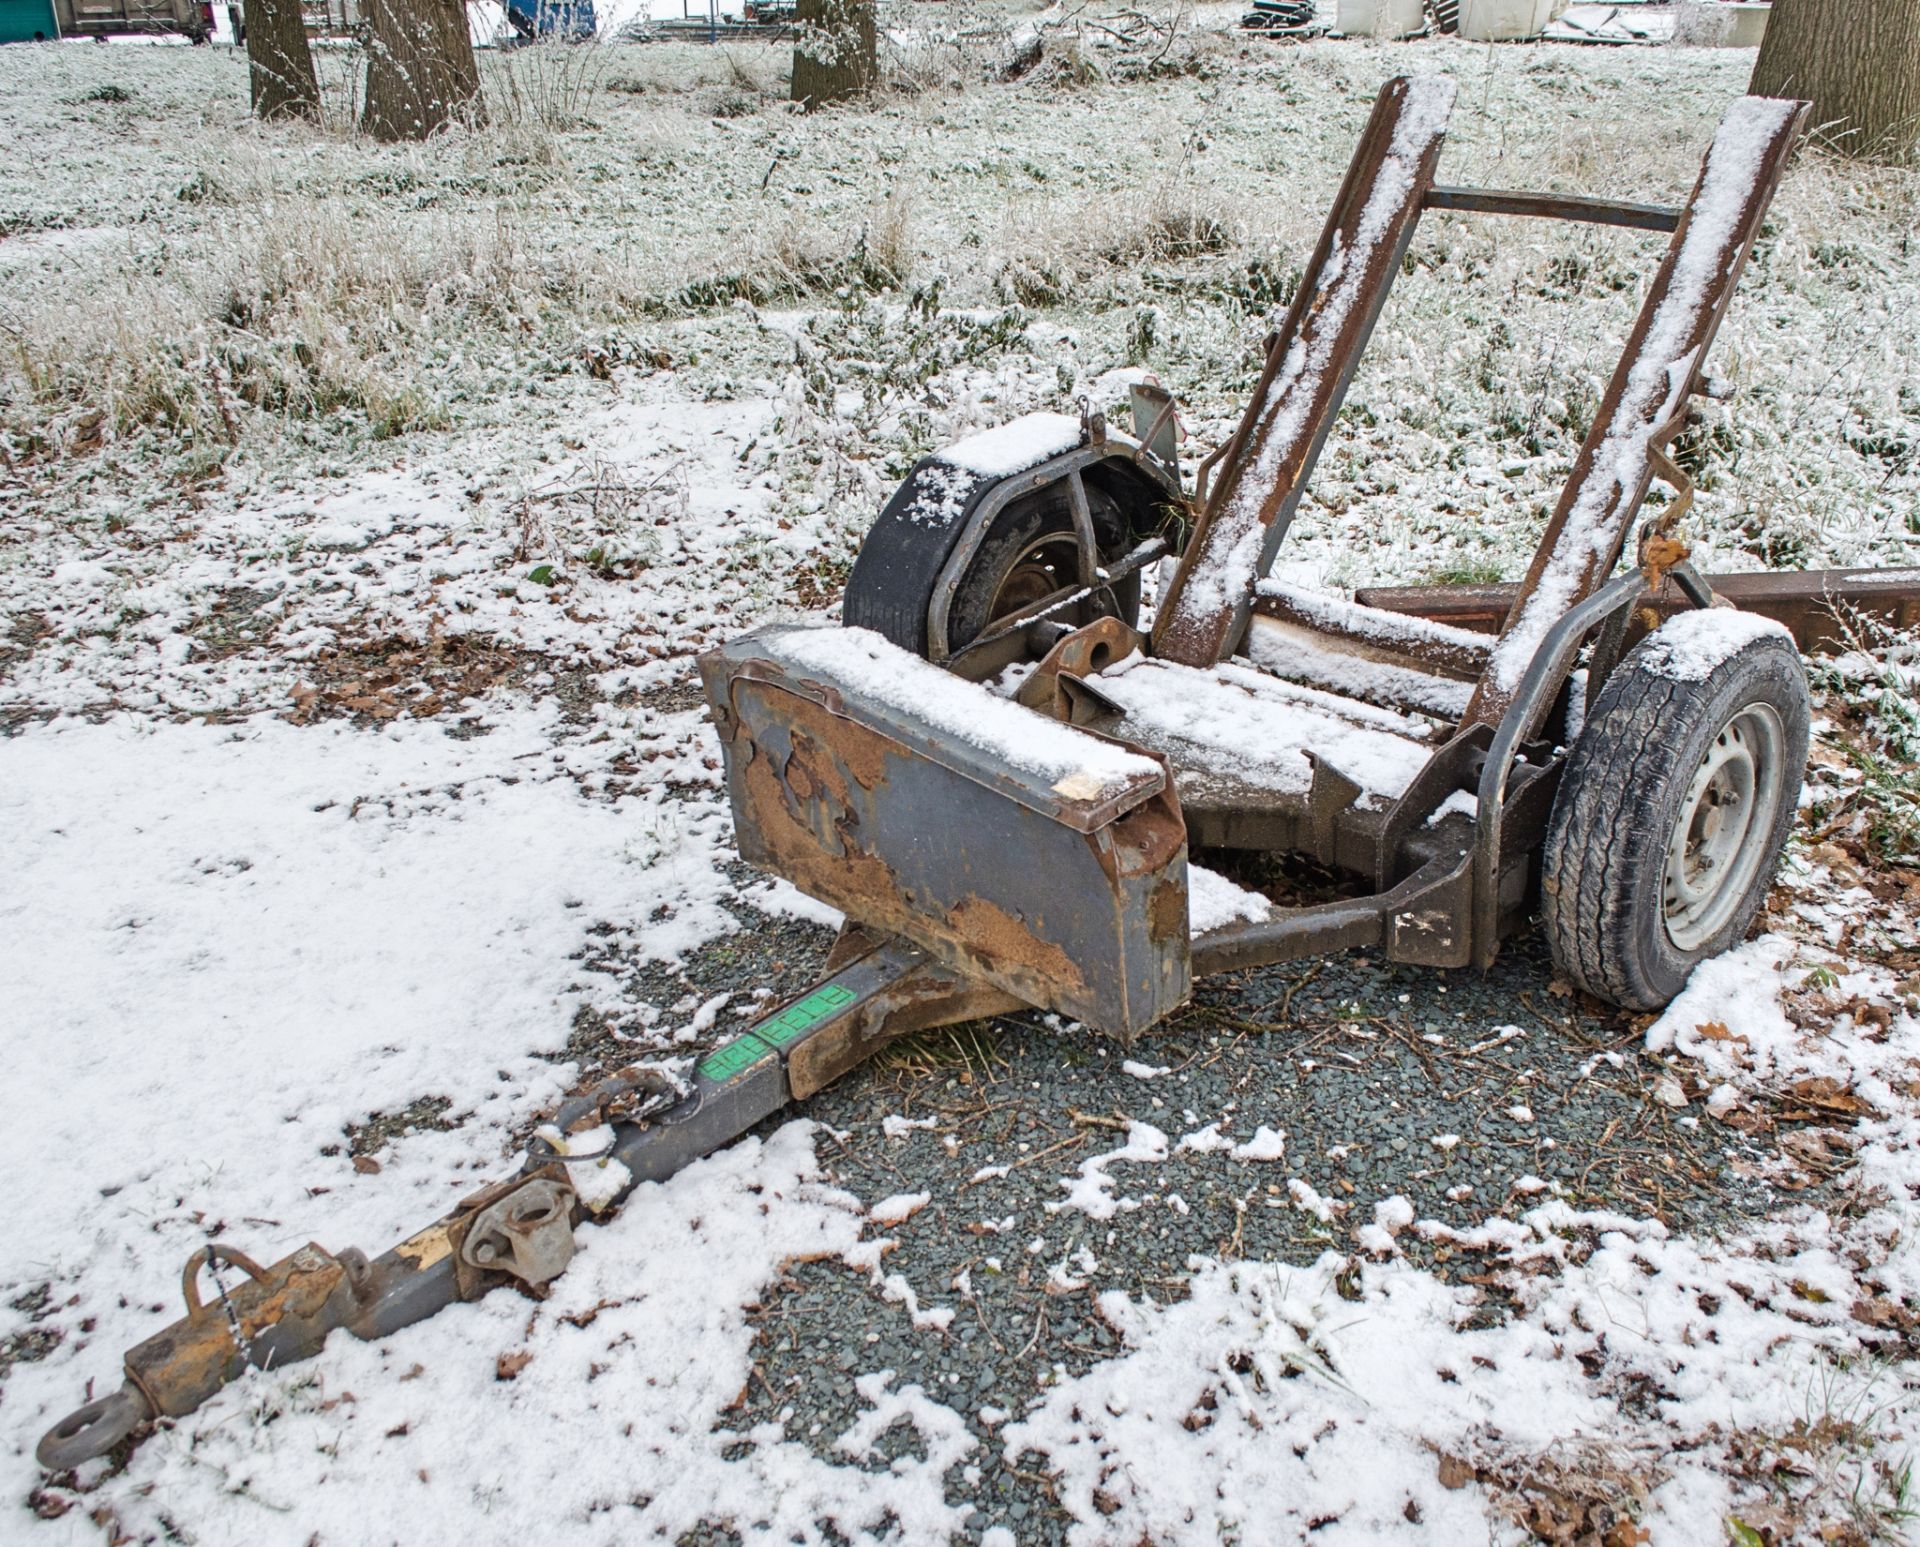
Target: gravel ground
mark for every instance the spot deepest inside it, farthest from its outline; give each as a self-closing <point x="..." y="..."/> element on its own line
<point x="1460" y="1091"/>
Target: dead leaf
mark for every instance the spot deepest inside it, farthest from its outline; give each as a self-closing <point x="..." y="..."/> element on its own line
<point x="1882" y="1312"/>
<point x="1825" y="1091"/>
<point x="366" y="1165"/>
<point x="1454" y="1473"/>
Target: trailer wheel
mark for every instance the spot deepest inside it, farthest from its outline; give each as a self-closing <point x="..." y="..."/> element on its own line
<point x="1029" y="552"/>
<point x="1671" y="816"/>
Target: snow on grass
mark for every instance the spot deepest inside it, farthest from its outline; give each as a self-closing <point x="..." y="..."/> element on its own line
<point x="227" y="944"/>
<point x="300" y="926"/>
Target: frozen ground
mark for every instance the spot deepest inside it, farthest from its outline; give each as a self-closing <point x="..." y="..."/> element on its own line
<point x="362" y="511"/>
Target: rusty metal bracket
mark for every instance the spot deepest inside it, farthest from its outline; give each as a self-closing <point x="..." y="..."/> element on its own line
<point x="1083" y="653"/>
<point x="526" y="1230"/>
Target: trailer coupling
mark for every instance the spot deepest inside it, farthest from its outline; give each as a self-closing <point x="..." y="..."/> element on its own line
<point x="520" y="1230"/>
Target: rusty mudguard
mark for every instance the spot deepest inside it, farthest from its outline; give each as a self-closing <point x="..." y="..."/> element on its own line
<point x="1067" y="897"/>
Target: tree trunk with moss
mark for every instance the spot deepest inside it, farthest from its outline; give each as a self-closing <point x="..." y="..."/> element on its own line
<point x="421" y="74"/>
<point x="834" y="58"/>
<point x="1858" y="62"/>
<point x="280" y="63"/>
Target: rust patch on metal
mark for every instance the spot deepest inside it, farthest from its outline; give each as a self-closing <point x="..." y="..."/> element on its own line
<point x="1147" y="837"/>
<point x="1083" y="653"/>
<point x="1004" y="943"/>
<point x="178" y="1368"/>
<point x="857" y="749"/>
<point x="1167" y="911"/>
<point x="796" y="851"/>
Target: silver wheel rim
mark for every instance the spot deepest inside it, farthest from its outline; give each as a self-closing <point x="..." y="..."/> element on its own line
<point x="1722" y="834"/>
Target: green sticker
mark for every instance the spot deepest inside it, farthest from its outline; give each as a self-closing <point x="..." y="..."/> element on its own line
<point x="803" y="1015"/>
<point x="740" y="1054"/>
<point x="796" y="1020"/>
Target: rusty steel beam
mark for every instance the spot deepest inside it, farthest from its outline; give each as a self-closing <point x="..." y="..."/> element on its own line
<point x="1813" y="604"/>
<point x="1554" y="206"/>
<point x="1328" y="619"/>
<point x="1265" y="467"/>
<point x="1646" y="401"/>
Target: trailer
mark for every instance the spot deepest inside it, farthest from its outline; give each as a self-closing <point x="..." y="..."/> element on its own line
<point x="140" y="18"/>
<point x="1023" y="793"/>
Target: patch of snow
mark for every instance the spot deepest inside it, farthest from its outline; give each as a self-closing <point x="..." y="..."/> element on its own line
<point x="1076" y="765"/>
<point x="1204" y="1141"/>
<point x="1015" y="446"/>
<point x="894" y="1287"/>
<point x="1691" y="645"/>
<point x="1462" y="802"/>
<point x="1092" y="1191"/>
<point x="1213" y="902"/>
<point x="1266" y="1144"/>
<point x="1295" y="653"/>
<point x="901" y="1206"/>
<point x="1260" y="729"/>
<point x="1309" y="1201"/>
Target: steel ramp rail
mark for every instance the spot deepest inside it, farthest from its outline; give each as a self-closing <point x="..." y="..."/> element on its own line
<point x="1265" y="467"/>
<point x="1646" y="402"/>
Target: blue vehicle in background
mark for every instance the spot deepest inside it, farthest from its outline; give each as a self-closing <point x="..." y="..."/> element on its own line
<point x="548" y="21"/>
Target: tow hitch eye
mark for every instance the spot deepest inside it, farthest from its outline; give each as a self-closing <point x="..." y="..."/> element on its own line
<point x="528" y="1233"/>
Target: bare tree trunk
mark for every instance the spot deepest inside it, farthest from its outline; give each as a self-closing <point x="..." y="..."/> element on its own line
<point x="1858" y="61"/>
<point x="281" y="64"/>
<point x="421" y="73"/>
<point x="834" y="58"/>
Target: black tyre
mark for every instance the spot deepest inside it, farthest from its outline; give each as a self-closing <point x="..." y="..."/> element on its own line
<point x="1671" y="815"/>
<point x="1029" y="552"/>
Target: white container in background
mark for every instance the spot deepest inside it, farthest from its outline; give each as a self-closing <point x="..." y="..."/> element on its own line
<point x="1379" y="18"/>
<point x="1502" y="21"/>
<point x="1720" y="23"/>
